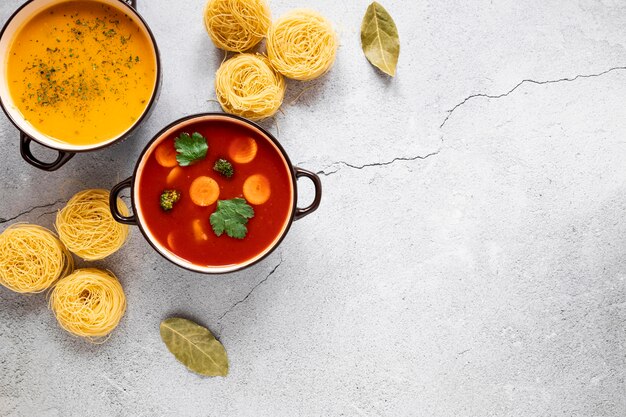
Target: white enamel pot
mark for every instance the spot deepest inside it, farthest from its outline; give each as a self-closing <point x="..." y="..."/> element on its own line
<point x="28" y="133"/>
<point x="135" y="183"/>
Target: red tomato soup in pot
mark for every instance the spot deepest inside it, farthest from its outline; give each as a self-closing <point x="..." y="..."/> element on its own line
<point x="214" y="192"/>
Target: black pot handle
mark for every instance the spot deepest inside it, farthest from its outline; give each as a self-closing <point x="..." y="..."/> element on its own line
<point x="131" y="3"/>
<point x="119" y="217"/>
<point x="317" y="183"/>
<point x="28" y="156"/>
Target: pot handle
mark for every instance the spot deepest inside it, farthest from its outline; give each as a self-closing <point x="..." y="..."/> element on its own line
<point x="317" y="183"/>
<point x="119" y="217"/>
<point x="28" y="156"/>
<point x="131" y="3"/>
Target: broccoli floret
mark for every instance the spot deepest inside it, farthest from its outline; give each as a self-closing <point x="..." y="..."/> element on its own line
<point x="224" y="167"/>
<point x="169" y="198"/>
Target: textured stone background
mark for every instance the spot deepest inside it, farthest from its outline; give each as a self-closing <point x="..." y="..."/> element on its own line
<point x="469" y="257"/>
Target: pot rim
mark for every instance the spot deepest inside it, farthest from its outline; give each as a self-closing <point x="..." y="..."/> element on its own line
<point x="60" y="146"/>
<point x="222" y="269"/>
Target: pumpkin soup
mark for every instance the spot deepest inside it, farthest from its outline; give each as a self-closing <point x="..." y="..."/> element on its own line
<point x="81" y="72"/>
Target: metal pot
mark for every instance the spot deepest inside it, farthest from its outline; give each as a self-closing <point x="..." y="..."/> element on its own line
<point x="138" y="218"/>
<point x="28" y="133"/>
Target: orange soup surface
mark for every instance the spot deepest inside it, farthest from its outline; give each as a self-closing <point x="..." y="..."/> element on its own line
<point x="186" y="230"/>
<point x="81" y="72"/>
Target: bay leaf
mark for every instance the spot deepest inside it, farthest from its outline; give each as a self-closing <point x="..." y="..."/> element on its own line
<point x="194" y="346"/>
<point x="379" y="39"/>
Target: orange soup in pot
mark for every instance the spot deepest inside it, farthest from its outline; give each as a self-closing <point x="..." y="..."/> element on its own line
<point x="81" y="72"/>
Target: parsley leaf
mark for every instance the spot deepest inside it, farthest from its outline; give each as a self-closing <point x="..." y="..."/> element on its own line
<point x="190" y="148"/>
<point x="231" y="216"/>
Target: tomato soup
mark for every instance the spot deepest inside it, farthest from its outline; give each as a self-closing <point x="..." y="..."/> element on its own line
<point x="191" y="225"/>
<point x="81" y="72"/>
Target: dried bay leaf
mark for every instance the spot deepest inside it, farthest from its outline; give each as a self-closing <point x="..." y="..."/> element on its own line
<point x="194" y="346"/>
<point x="379" y="39"/>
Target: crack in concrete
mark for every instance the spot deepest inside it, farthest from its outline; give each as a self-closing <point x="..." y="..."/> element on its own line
<point x="375" y="164"/>
<point x="525" y="81"/>
<point x="251" y="291"/>
<point x="47" y="213"/>
<point x="336" y="165"/>
<point x="463" y="352"/>
<point x="30" y="210"/>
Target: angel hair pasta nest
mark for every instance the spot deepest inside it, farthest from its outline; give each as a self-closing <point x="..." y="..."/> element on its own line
<point x="247" y="85"/>
<point x="32" y="258"/>
<point x="86" y="226"/>
<point x="237" y="25"/>
<point x="302" y="45"/>
<point x="88" y="303"/>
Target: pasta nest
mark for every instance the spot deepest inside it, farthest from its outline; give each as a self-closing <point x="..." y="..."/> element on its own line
<point x="86" y="226"/>
<point x="246" y="85"/>
<point x="32" y="258"/>
<point x="302" y="45"/>
<point x="237" y="25"/>
<point x="88" y="303"/>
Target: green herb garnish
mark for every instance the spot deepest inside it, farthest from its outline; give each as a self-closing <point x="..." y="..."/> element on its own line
<point x="224" y="167"/>
<point x="231" y="216"/>
<point x="169" y="198"/>
<point x="190" y="148"/>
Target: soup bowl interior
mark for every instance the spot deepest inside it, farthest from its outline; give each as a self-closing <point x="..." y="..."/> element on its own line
<point x="20" y="18"/>
<point x="140" y="180"/>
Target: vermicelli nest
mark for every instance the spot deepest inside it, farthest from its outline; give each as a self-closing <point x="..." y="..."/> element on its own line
<point x="237" y="25"/>
<point x="86" y="226"/>
<point x="32" y="258"/>
<point x="302" y="44"/>
<point x="88" y="303"/>
<point x="247" y="85"/>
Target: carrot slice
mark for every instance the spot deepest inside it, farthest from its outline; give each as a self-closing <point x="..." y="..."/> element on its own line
<point x="256" y="189"/>
<point x="204" y="191"/>
<point x="198" y="231"/>
<point x="242" y="150"/>
<point x="173" y="175"/>
<point x="170" y="240"/>
<point x="165" y="154"/>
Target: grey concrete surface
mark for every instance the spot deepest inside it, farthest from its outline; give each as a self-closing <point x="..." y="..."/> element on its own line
<point x="469" y="257"/>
